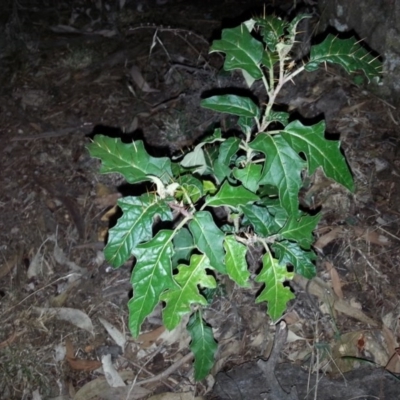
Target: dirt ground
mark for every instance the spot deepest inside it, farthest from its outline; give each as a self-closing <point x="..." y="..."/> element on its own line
<point x="70" y="70"/>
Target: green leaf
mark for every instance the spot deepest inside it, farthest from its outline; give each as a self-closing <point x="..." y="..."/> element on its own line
<point x="263" y="222"/>
<point x="300" y="229"/>
<point x="246" y="124"/>
<point x="183" y="246"/>
<point x="346" y="52"/>
<point x="135" y="226"/>
<point x="231" y="196"/>
<point x="215" y="137"/>
<point x="291" y="253"/>
<point x="195" y="158"/>
<point x="151" y="275"/>
<point x="190" y="188"/>
<point x="282" y="168"/>
<point x="209" y="239"/>
<point x="278" y="116"/>
<point x="272" y="29"/>
<point x="218" y="162"/>
<point x="250" y="176"/>
<point x="232" y="104"/>
<point x="280" y="214"/>
<point x="215" y="168"/>
<point x="273" y="274"/>
<point x="235" y="260"/>
<point x="310" y="140"/>
<point x="292" y="26"/>
<point x="241" y="49"/>
<point x="129" y="159"/>
<point x="228" y="149"/>
<point x="203" y="345"/>
<point x="179" y="299"/>
<point x="209" y="187"/>
<point x="269" y="59"/>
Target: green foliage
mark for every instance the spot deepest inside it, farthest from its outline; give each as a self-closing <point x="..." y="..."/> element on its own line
<point x="228" y="194"/>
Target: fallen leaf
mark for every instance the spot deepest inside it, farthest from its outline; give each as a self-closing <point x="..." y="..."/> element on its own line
<point x="137" y="77"/>
<point x="393" y="364"/>
<point x="116" y="335"/>
<point x="111" y="374"/>
<point x="100" y="389"/>
<point x="371" y="236"/>
<point x="335" y="280"/>
<point x="147" y="339"/>
<point x="323" y="240"/>
<point x="9" y="265"/>
<point x="72" y="315"/>
<point x="109" y="214"/>
<point x="79" y="364"/>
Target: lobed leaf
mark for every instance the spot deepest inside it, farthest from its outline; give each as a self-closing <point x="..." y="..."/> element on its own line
<point x="151" y="276"/>
<point x="263" y="222"/>
<point x="273" y="274"/>
<point x="291" y="253"/>
<point x="310" y="140"/>
<point x="241" y="49"/>
<point x="282" y="168"/>
<point x="190" y="188"/>
<point x="231" y="196"/>
<point x="232" y="104"/>
<point x="346" y="52"/>
<point x="250" y="176"/>
<point x="300" y="229"/>
<point x="179" y="299"/>
<point x="272" y="28"/>
<point x="129" y="159"/>
<point x="278" y="116"/>
<point x="134" y="226"/>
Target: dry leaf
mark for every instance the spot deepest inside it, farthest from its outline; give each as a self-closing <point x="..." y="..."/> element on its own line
<point x="336" y="284"/>
<point x="352" y="345"/>
<point x="140" y="81"/>
<point x="371" y="236"/>
<point x="110" y="213"/>
<point x="147" y="339"/>
<point x="63" y="260"/>
<point x="178" y="335"/>
<point x="79" y="364"/>
<point x="111" y="374"/>
<point x="100" y="389"/>
<point x="36" y="264"/>
<point x="72" y="315"/>
<point x="116" y="335"/>
<point x="102" y="190"/>
<point x="59" y="301"/>
<point x="328" y="237"/>
<point x="393" y="364"/>
<point x="9" y="265"/>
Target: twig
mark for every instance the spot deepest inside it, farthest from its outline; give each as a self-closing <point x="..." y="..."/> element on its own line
<point x="275" y="391"/>
<point x="168" y="371"/>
